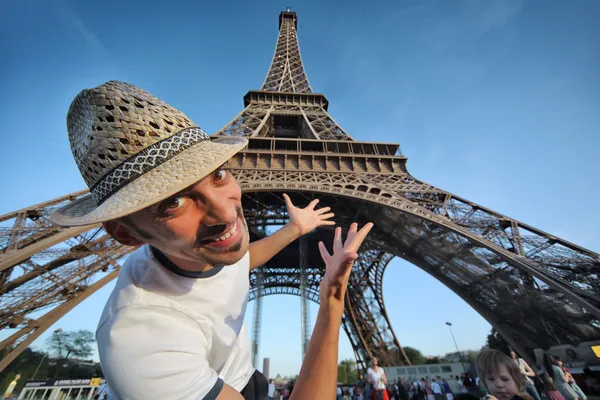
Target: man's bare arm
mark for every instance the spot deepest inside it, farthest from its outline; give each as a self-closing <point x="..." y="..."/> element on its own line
<point x="318" y="375"/>
<point x="302" y="221"/>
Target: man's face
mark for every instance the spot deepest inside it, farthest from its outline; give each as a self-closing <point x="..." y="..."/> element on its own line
<point x="202" y="224"/>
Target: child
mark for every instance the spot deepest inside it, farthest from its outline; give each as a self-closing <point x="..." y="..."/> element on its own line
<point x="500" y="375"/>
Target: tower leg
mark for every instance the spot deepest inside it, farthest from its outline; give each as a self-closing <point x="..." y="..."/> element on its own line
<point x="305" y="310"/>
<point x="256" y="322"/>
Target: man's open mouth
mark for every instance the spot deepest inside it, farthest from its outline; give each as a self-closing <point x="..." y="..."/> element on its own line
<point x="224" y="239"/>
<point x="224" y="236"/>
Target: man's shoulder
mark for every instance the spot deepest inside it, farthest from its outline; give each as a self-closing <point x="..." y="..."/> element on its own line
<point x="141" y="282"/>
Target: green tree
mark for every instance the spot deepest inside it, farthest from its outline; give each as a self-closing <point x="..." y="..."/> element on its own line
<point x="414" y="355"/>
<point x="497" y="342"/>
<point x="71" y="344"/>
<point x="347" y="371"/>
<point x="471" y="356"/>
<point x="435" y="360"/>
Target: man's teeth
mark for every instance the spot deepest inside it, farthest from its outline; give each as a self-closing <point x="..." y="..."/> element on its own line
<point x="227" y="235"/>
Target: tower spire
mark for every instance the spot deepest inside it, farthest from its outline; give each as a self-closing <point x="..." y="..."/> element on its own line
<point x="286" y="73"/>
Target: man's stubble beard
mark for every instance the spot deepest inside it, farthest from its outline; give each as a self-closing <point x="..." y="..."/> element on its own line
<point x="230" y="257"/>
<point x="223" y="259"/>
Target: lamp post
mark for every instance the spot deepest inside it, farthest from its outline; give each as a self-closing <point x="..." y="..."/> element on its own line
<point x="38" y="367"/>
<point x="457" y="350"/>
<point x="43" y="358"/>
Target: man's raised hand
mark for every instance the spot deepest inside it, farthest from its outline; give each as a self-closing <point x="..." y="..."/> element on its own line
<point x="306" y="219"/>
<point x="339" y="264"/>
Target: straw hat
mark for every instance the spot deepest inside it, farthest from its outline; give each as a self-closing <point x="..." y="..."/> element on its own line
<point x="133" y="150"/>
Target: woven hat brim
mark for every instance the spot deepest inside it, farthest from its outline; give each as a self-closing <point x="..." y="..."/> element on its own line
<point x="171" y="177"/>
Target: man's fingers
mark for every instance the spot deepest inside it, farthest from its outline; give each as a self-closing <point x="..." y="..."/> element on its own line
<point x="322" y="210"/>
<point x="327" y="216"/>
<point x="360" y="236"/>
<point x="337" y="239"/>
<point x="326" y="223"/>
<point x="313" y="204"/>
<point x="324" y="253"/>
<point x="351" y="233"/>
<point x="288" y="201"/>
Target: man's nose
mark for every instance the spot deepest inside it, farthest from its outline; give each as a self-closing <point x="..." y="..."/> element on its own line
<point x="219" y="210"/>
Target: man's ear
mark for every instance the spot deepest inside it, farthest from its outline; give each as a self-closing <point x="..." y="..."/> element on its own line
<point x="121" y="233"/>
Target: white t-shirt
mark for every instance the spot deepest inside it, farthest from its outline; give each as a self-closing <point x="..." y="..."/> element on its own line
<point x="271" y="392"/>
<point x="167" y="336"/>
<point x="377" y="378"/>
<point x="436" y="388"/>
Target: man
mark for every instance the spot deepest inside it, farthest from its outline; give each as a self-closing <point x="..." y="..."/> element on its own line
<point x="527" y="373"/>
<point x="173" y="326"/>
<point x="437" y="390"/>
<point x="447" y="390"/>
<point x="8" y="393"/>
<point x="271" y="391"/>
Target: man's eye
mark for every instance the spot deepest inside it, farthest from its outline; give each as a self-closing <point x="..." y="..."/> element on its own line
<point x="174" y="203"/>
<point x="220" y="175"/>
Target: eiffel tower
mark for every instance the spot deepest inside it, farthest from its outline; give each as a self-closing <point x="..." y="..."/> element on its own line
<point x="534" y="288"/>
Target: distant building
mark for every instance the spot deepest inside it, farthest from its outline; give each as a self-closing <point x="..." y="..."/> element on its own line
<point x="280" y="382"/>
<point x="412" y="373"/>
<point x="267" y="367"/>
<point x="456" y="357"/>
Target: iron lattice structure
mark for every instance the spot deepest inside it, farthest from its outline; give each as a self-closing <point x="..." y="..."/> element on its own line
<point x="536" y="289"/>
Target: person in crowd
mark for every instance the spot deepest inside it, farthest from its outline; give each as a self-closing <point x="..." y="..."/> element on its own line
<point x="561" y="382"/>
<point x="549" y="389"/>
<point x="412" y="395"/>
<point x="437" y="390"/>
<point x="271" y="391"/>
<point x="501" y="375"/>
<point x="417" y="389"/>
<point x="538" y="382"/>
<point x="403" y="390"/>
<point x="427" y="388"/>
<point x="447" y="391"/>
<point x="8" y="393"/>
<point x="361" y="382"/>
<point x="469" y="384"/>
<point x="571" y="380"/>
<point x="377" y="379"/>
<point x="528" y="374"/>
<point x="158" y="181"/>
<point x="459" y="383"/>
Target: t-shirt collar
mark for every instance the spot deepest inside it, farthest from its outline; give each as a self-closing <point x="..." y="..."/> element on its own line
<point x="170" y="265"/>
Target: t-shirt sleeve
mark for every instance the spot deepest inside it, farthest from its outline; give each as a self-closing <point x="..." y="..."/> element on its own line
<point x="150" y="352"/>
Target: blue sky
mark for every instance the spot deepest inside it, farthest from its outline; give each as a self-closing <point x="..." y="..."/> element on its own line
<point x="496" y="101"/>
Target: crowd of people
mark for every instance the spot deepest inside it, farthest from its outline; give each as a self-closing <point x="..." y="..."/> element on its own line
<point x="500" y="377"/>
<point x="511" y="377"/>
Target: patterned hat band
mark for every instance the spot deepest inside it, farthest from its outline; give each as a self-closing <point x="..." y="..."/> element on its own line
<point x="144" y="161"/>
